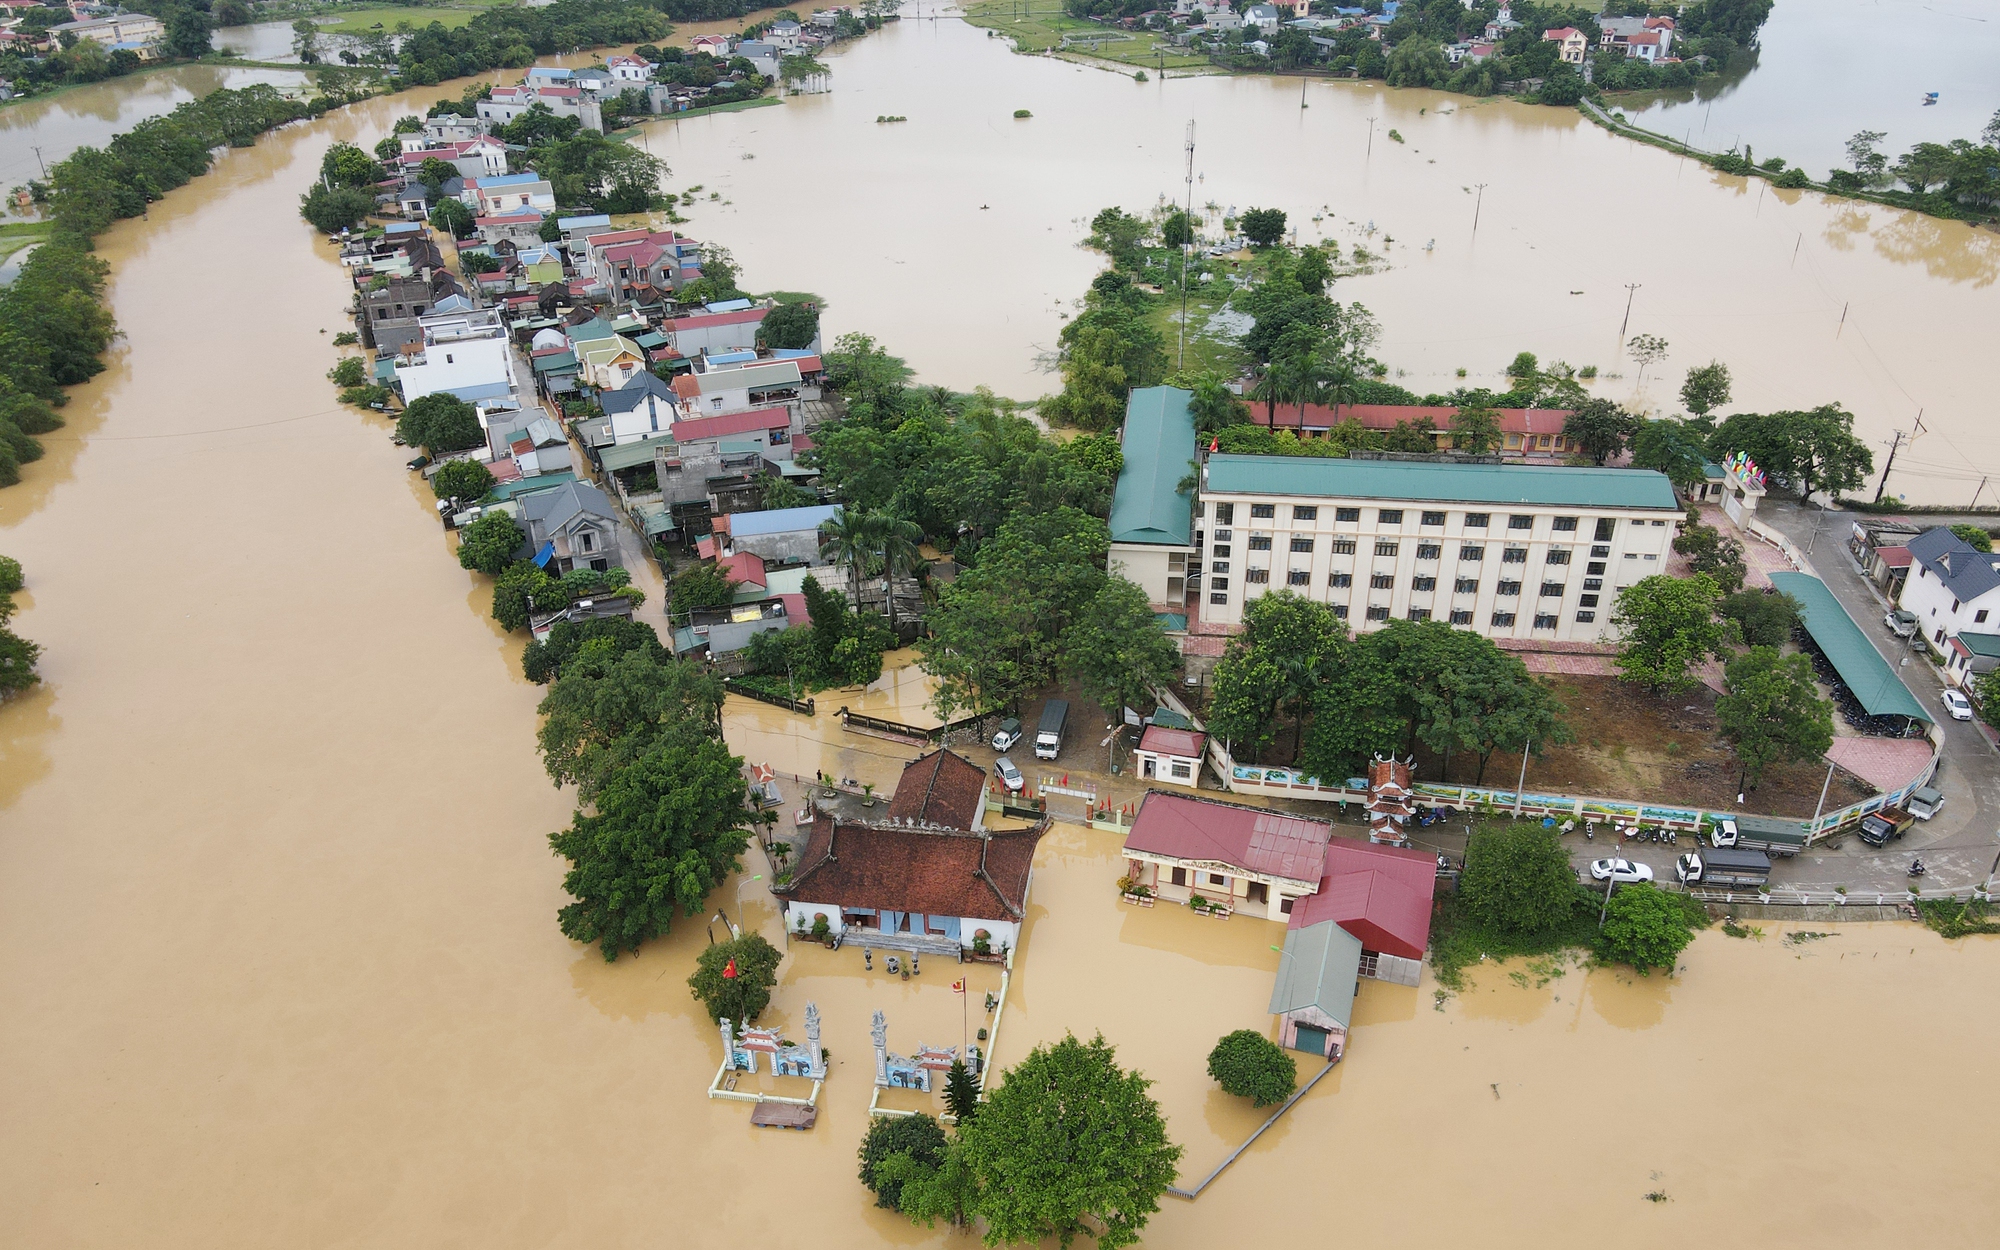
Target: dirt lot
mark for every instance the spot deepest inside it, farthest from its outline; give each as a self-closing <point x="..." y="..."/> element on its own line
<point x="1633" y="745"/>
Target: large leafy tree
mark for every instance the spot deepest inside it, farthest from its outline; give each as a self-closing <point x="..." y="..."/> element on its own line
<point x="1670" y="447"/>
<point x="1706" y="388"/>
<point x="1763" y="618"/>
<point x="1518" y="880"/>
<point x="1475" y="430"/>
<point x="543" y="660"/>
<point x="1813" y="451"/>
<point x="1290" y="648"/>
<point x="1645" y="927"/>
<point x="1250" y="1065"/>
<point x="607" y="707"/>
<point x="733" y="979"/>
<point x="488" y="544"/>
<point x="1117" y="649"/>
<point x="1667" y="626"/>
<point x="1069" y="1143"/>
<point x="791" y="326"/>
<point x="668" y="827"/>
<point x="1263" y="226"/>
<point x="1772" y="711"/>
<point x="919" y="1138"/>
<point x="1094" y="381"/>
<point x="439" y="423"/>
<point x="1600" y="428"/>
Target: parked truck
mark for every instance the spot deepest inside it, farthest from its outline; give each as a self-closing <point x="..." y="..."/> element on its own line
<point x="1924" y="803"/>
<point x="1783" y="838"/>
<point x="1723" y="866"/>
<point x="1049" y="733"/>
<point x="1885" y="826"/>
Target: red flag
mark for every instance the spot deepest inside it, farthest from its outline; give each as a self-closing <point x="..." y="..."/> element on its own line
<point x="958" y="987"/>
<point x="1215" y="445"/>
<point x="729" y="972"/>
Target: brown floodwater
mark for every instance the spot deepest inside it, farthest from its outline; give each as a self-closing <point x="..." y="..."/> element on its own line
<point x="953" y="236"/>
<point x="278" y="955"/>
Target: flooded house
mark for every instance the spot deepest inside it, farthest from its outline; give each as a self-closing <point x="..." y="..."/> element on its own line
<point x="927" y="876"/>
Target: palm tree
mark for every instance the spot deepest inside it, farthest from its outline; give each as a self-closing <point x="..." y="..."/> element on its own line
<point x="849" y="538"/>
<point x="896" y="541"/>
<point x="1343" y="386"/>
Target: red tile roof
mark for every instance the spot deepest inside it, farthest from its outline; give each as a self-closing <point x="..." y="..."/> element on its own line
<point x="795" y="610"/>
<point x="703" y="321"/>
<point x="745" y="567"/>
<point x="1894" y="557"/>
<point x="757" y="419"/>
<point x="1160" y="740"/>
<point x="1252" y="838"/>
<point x="1385" y="416"/>
<point x="1380" y="894"/>
<point x="1561" y="32"/>
<point x="932" y="872"/>
<point x="942" y="788"/>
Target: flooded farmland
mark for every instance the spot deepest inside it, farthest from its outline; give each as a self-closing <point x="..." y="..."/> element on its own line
<point x="278" y="954"/>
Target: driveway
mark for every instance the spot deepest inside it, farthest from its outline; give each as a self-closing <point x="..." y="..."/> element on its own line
<point x="1959" y="844"/>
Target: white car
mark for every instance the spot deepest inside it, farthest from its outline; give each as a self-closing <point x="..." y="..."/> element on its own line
<point x="1900" y="623"/>
<point x="1957" y="704"/>
<point x="1010" y="776"/>
<point x="1623" y="871"/>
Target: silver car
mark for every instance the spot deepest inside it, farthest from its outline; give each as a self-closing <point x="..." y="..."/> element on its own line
<point x="1010" y="776"/>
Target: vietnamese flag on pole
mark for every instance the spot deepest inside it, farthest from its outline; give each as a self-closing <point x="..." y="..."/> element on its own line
<point x="729" y="970"/>
<point x="1215" y="445"/>
<point x="958" y="987"/>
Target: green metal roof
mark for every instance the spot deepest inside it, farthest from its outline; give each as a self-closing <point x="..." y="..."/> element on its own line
<point x="626" y="455"/>
<point x="1159" y="444"/>
<point x="1318" y="969"/>
<point x="1869" y="677"/>
<point x="1985" y="646"/>
<point x="556" y="362"/>
<point x="529" y="485"/>
<point x="1435" y="482"/>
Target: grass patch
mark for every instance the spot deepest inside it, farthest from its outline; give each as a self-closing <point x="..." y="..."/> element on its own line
<point x="1804" y="936"/>
<point x="1458" y="942"/>
<point x="1731" y="929"/>
<point x="361" y="21"/>
<point x="1953" y="919"/>
<point x="1041" y="32"/>
<point x="1205" y="349"/>
<point x="795" y="297"/>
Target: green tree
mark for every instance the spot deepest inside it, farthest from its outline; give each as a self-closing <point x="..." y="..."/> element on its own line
<point x="1177" y="230"/>
<point x="1094" y="382"/>
<point x="595" y="640"/>
<point x="1763" y="618"/>
<point x="519" y="589"/>
<point x="1262" y="226"/>
<point x="699" y="586"/>
<point x="1214" y="406"/>
<point x="333" y="209"/>
<point x="1249" y="1065"/>
<point x="452" y="217"/>
<point x="1517" y="880"/>
<point x="1289" y="649"/>
<point x="1069" y="1143"/>
<point x="467" y="480"/>
<point x="1355" y="717"/>
<point x="961" y="1093"/>
<point x="347" y="371"/>
<point x="305" y="40"/>
<point x="1600" y="428"/>
<point x="440" y="422"/>
<point x="1475" y="430"/>
<point x="898" y="549"/>
<point x="849" y="538"/>
<point x="1645" y="927"/>
<point x="188" y="32"/>
<point x="791" y="327"/>
<point x="1826" y="454"/>
<point x="1771" y="711"/>
<point x="345" y="165"/>
<point x="1976" y="535"/>
<point x="488" y="544"/>
<point x="1672" y="448"/>
<point x="919" y="1138"/>
<point x="733" y="980"/>
<point x="1524" y="369"/>
<point x="606" y="708"/>
<point x="1417" y="62"/>
<point x="1666" y="627"/>
<point x="1706" y="388"/>
<point x="668" y="827"/>
<point x="1711" y="553"/>
<point x="17" y="663"/>
<point x="1313" y="273"/>
<point x="1117" y="649"/>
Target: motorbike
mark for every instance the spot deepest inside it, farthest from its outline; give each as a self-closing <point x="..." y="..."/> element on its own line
<point x="1918" y="868"/>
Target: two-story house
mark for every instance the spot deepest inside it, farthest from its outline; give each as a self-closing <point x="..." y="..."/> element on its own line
<point x="570" y="526"/>
<point x="1572" y="45"/>
<point x="630" y="71"/>
<point x="1952" y="588"/>
<point x="390" y="313"/>
<point x="508" y="193"/>
<point x="1639" y="38"/>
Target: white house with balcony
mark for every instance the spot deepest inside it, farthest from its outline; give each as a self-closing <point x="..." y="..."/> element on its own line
<point x="1952" y="588"/>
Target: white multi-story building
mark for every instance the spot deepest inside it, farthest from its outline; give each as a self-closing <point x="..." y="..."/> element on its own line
<point x="1509" y="551"/>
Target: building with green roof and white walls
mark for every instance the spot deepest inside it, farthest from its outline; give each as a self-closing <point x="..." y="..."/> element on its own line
<point x="1510" y="551"/>
<point x="1152" y="516"/>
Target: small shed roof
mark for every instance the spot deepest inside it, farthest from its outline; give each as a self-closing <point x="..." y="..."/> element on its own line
<point x="1160" y="740"/>
<point x="1318" y="969"/>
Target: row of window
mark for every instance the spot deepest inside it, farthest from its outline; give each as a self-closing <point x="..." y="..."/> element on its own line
<point x="1385" y="581"/>
<point x="1393" y="517"/>
<point x="1462" y="616"/>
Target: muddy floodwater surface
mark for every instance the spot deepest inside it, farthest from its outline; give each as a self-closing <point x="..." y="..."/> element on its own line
<point x="278" y="955"/>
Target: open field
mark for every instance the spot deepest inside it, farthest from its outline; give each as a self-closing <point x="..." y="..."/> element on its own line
<point x="361" y="21"/>
<point x="1042" y="30"/>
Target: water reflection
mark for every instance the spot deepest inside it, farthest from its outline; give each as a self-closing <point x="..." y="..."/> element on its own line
<point x="1944" y="252"/>
<point x="28" y="722"/>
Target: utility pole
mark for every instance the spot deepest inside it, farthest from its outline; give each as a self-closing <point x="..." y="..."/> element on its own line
<point x="1975" y="495"/>
<point x="1631" y="289"/>
<point x="1883" y="484"/>
<point x="1843" y="319"/>
<point x="1524" y="775"/>
<point x="1481" y="199"/>
<point x="1796" y="246"/>
<point x="39" y="161"/>
<point x="1187" y="246"/>
<point x="1371" y="137"/>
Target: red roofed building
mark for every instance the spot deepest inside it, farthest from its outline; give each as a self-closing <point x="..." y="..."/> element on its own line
<point x="1248" y="859"/>
<point x="1170" y="755"/>
<point x="1390" y="800"/>
<point x="1528" y="432"/>
<point x="745" y="568"/>
<point x="1574" y="44"/>
<point x="928" y="876"/>
<point x="1380" y="894"/>
<point x="715" y="333"/>
<point x="755" y="421"/>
